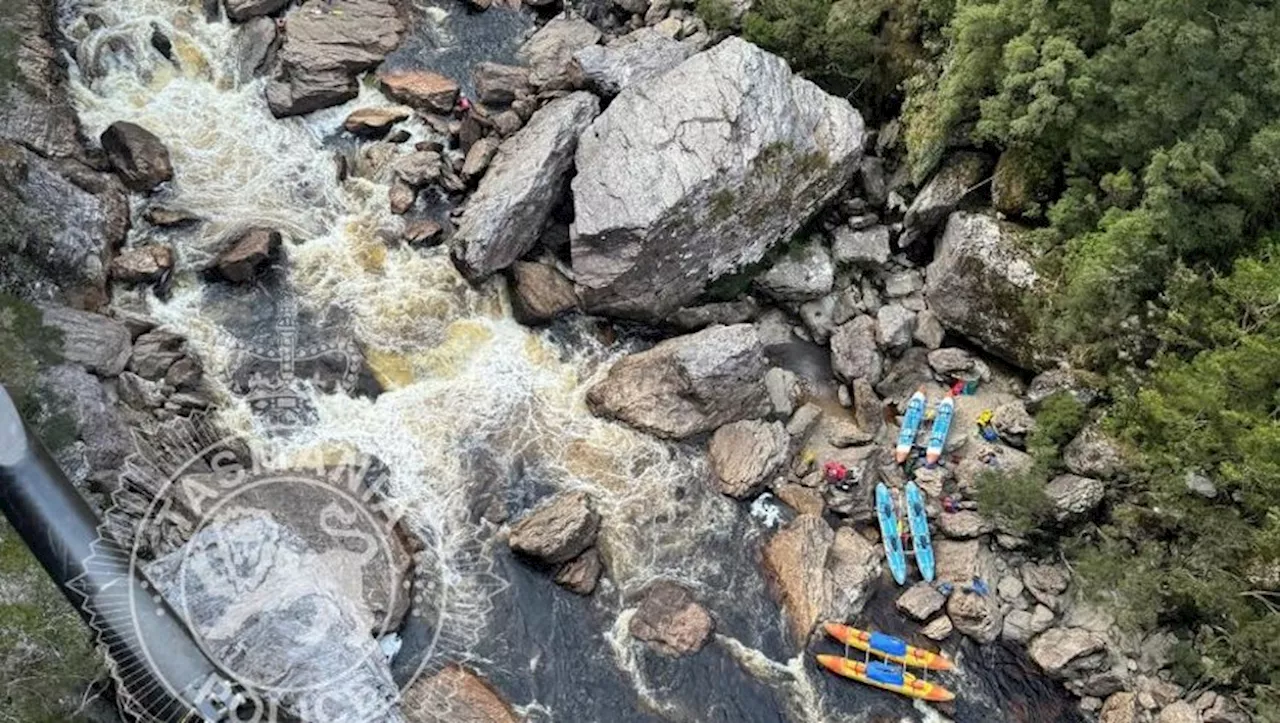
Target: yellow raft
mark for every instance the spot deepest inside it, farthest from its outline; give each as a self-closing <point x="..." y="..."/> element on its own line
<point x="887" y="677"/>
<point x="888" y="647"/>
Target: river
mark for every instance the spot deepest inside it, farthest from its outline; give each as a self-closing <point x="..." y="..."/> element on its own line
<point x="477" y="413"/>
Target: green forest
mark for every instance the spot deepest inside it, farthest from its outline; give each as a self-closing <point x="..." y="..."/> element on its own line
<point x="1143" y="137"/>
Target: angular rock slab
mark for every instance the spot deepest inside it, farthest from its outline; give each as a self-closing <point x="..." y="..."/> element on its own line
<point x="328" y="42"/>
<point x="687" y="385"/>
<point x="695" y="173"/>
<point x="503" y="219"/>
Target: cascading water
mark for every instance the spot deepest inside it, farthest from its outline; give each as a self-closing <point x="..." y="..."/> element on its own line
<point x="477" y="413"/>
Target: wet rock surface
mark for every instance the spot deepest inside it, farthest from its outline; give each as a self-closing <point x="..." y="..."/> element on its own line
<point x="687" y="385"/>
<point x="670" y="620"/>
<point x="137" y="155"/>
<point x="557" y="530"/>
<point x="455" y="695"/>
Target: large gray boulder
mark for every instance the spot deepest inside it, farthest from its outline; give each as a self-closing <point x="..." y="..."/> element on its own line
<point x="504" y="217"/>
<point x="328" y="43"/>
<point x="632" y="58"/>
<point x="979" y="284"/>
<point x="688" y="385"/>
<point x="693" y="174"/>
<point x="99" y="343"/>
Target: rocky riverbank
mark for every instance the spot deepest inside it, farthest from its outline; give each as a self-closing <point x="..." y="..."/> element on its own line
<point x="637" y="169"/>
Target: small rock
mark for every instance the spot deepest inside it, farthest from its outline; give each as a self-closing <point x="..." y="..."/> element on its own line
<point x="541" y="293"/>
<point x="950" y="361"/>
<point x="240" y="262"/>
<point x="423" y="232"/>
<point x="854" y="353"/>
<point x="549" y="52"/>
<point x="1201" y="485"/>
<point x="895" y="326"/>
<point x="1065" y="653"/>
<point x="581" y="574"/>
<point x="671" y="620"/>
<point x="98" y="343"/>
<point x="242" y="10"/>
<point x="939" y="629"/>
<point x="1010" y="588"/>
<point x="844" y="396"/>
<point x="974" y="615"/>
<point x="921" y="601"/>
<point x="804" y="500"/>
<point x="802" y="275"/>
<point x="903" y="283"/>
<point x="819" y="317"/>
<point x="963" y="525"/>
<point x="1093" y="454"/>
<point x="401" y="197"/>
<point x="857" y="438"/>
<point x="1045" y="583"/>
<point x="629" y="60"/>
<point x="418" y="168"/>
<point x="689" y="384"/>
<point x="374" y="122"/>
<point x="139" y="393"/>
<point x="138" y="156"/>
<point x="929" y="331"/>
<point x="184" y="374"/>
<point x="507" y="123"/>
<point x="420" y="89"/>
<point x="500" y="84"/>
<point x="804" y="420"/>
<point x="867" y="247"/>
<point x="479" y="156"/>
<point x="154" y="352"/>
<point x="1074" y="496"/>
<point x="1054" y="381"/>
<point x="746" y="455"/>
<point x="167" y="217"/>
<point x="784" y="389"/>
<point x="1013" y="422"/>
<point x="868" y="409"/>
<point x="1178" y="712"/>
<point x="1119" y="708"/>
<point x="557" y="530"/>
<point x="455" y="695"/>
<point x="142" y="264"/>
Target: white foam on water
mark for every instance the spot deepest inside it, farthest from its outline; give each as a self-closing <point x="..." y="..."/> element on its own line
<point x="470" y="394"/>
